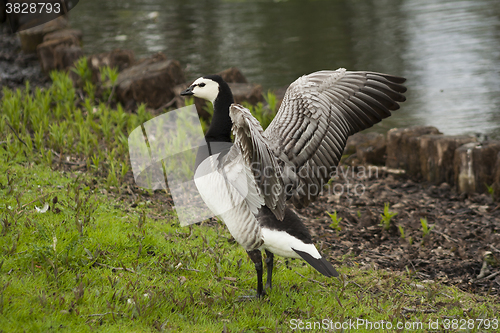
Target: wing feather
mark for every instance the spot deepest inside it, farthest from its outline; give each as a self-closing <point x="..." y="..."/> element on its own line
<point x="318" y="112"/>
<point x="248" y="137"/>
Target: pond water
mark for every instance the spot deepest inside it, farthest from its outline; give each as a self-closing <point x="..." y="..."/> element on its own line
<point x="448" y="50"/>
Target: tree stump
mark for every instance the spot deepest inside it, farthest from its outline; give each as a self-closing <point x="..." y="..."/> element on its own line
<point x="31" y="38"/>
<point x="74" y="33"/>
<point x="66" y="55"/>
<point x="403" y="148"/>
<point x="437" y="154"/>
<point x="47" y="52"/>
<point x="496" y="183"/>
<point x="475" y="166"/>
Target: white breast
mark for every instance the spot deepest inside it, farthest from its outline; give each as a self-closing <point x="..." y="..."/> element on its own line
<point x="230" y="193"/>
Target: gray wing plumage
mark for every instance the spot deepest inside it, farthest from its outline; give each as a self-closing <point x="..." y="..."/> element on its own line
<point x="297" y="153"/>
<point x="249" y="140"/>
<point x="318" y="113"/>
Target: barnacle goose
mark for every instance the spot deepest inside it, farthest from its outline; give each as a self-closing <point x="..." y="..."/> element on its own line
<point x="290" y="161"/>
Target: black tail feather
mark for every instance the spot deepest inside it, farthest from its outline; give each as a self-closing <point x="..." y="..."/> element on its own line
<point x="321" y="264"/>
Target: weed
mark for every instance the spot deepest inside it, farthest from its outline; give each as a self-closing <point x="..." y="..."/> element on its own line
<point x="335" y="221"/>
<point x="426" y="229"/>
<point x="385" y="222"/>
<point x="401" y="232"/>
<point x="82" y="70"/>
<point x="491" y="191"/>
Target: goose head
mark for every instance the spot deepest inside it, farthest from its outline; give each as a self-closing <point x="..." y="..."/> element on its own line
<point x="208" y="87"/>
<point x="214" y="89"/>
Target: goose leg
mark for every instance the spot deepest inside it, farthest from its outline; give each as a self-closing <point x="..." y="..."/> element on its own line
<point x="269" y="264"/>
<point x="256" y="257"/>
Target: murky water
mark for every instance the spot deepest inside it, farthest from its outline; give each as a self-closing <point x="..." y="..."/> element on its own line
<point x="448" y="50"/>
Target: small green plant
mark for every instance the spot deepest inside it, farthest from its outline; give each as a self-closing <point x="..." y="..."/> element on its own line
<point x="271" y="101"/>
<point x="335" y="221"/>
<point x="109" y="76"/>
<point x="426" y="229"/>
<point x="95" y="160"/>
<point x="491" y="191"/>
<point x="402" y="231"/>
<point x="385" y="222"/>
<point x="82" y="70"/>
<point x="264" y="114"/>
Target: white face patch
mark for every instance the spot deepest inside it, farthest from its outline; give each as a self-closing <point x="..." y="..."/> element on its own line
<point x="206" y="89"/>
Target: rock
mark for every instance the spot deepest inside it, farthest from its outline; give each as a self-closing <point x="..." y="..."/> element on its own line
<point x="31" y="38"/>
<point x="151" y="81"/>
<point x="46" y="52"/>
<point x="74" y="33"/>
<point x="403" y="148"/>
<point x="233" y="75"/>
<point x="118" y="58"/>
<point x="475" y="165"/>
<point x="437" y="154"/>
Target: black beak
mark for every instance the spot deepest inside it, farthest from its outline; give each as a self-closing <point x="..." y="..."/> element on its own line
<point x="188" y="91"/>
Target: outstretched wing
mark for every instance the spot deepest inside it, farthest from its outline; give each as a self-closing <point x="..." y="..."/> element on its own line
<point x="248" y="138"/>
<point x="318" y="113"/>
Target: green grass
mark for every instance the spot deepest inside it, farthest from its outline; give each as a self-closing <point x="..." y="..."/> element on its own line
<point x="98" y="260"/>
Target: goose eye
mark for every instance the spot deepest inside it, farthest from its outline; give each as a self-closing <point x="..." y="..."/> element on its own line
<point x="201" y="85"/>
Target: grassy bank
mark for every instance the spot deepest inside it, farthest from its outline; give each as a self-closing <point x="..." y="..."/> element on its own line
<point x="81" y="251"/>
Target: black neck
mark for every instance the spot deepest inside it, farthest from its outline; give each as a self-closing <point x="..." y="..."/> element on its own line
<point x="220" y="126"/>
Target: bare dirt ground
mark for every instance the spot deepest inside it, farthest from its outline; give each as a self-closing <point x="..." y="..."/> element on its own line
<point x="465" y="229"/>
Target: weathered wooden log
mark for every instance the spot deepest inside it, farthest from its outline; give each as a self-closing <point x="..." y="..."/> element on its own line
<point x="47" y="52"/>
<point x="475" y="166"/>
<point x="31" y="38"/>
<point x="403" y="148"/>
<point x="66" y="55"/>
<point x="74" y="33"/>
<point x="150" y="81"/>
<point x="437" y="154"/>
